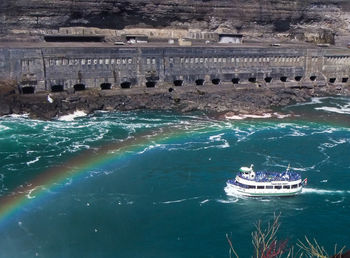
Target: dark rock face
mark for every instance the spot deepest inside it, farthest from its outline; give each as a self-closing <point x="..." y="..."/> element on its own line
<point x="235" y="101"/>
<point x="238" y="14"/>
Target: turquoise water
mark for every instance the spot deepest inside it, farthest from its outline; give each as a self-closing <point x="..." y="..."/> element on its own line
<point x="167" y="198"/>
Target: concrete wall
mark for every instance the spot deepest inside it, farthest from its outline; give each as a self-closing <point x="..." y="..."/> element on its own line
<point x="164" y="65"/>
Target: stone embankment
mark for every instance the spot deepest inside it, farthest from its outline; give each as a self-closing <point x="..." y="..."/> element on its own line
<point x="218" y="100"/>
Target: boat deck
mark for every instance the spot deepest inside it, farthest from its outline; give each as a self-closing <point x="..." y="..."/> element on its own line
<point x="263" y="176"/>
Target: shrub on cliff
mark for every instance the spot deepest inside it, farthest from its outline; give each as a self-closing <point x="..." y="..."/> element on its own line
<point x="267" y="245"/>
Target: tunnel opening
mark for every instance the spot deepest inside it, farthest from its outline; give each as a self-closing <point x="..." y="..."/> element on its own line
<point x="235" y="80"/>
<point x="199" y="82"/>
<point x="151" y="84"/>
<point x="125" y="85"/>
<point x="313" y="78"/>
<point x="344" y="80"/>
<point x="216" y="81"/>
<point x="178" y="83"/>
<point x="57" y="88"/>
<point x="298" y="78"/>
<point x="79" y="87"/>
<point x="28" y="90"/>
<point x="170" y="89"/>
<point x="252" y="79"/>
<point x="106" y="86"/>
<point x="283" y="78"/>
<point x="332" y="80"/>
<point x="268" y="79"/>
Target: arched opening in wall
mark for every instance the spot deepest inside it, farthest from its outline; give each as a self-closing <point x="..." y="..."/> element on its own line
<point x="106" y="86"/>
<point x="268" y="79"/>
<point x="178" y="82"/>
<point x="252" y="79"/>
<point x="344" y="80"/>
<point x="199" y="82"/>
<point x="28" y="90"/>
<point x="216" y="81"/>
<point x="79" y="87"/>
<point x="125" y="85"/>
<point x="283" y="78"/>
<point x="298" y="78"/>
<point x="313" y="78"/>
<point x="170" y="89"/>
<point x="235" y="80"/>
<point x="151" y="84"/>
<point x="332" y="80"/>
<point x="57" y="88"/>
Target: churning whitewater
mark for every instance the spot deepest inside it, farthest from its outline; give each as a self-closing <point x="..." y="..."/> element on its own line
<point x="154" y="183"/>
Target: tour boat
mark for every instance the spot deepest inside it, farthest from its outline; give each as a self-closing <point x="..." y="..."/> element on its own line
<point x="251" y="183"/>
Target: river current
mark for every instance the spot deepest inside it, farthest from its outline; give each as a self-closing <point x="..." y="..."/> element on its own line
<point x="163" y="193"/>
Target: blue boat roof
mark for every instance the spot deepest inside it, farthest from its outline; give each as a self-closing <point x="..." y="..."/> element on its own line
<point x="264" y="176"/>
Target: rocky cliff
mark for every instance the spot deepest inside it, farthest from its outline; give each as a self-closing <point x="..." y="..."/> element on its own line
<point x="255" y="17"/>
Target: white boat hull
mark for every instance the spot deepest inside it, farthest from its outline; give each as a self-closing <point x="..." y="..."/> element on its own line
<point x="264" y="192"/>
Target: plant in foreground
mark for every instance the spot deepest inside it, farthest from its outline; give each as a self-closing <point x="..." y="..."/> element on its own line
<point x="266" y="244"/>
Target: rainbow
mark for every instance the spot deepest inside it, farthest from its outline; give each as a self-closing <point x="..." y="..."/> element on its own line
<point x="79" y="165"/>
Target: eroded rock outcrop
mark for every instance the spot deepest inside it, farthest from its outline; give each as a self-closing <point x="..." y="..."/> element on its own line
<point x="253" y="17"/>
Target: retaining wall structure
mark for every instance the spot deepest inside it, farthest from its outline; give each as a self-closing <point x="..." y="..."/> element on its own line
<point x="61" y="68"/>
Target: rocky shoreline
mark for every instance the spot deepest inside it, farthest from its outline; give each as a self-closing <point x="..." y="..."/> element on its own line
<point x="216" y="100"/>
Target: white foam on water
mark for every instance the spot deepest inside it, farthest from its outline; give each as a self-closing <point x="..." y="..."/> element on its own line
<point x="180" y="200"/>
<point x="241" y="117"/>
<point x="281" y="116"/>
<point x="303" y="169"/>
<point x="234" y="117"/>
<point x="268" y="158"/>
<point x="29" y="194"/>
<point x="296" y="133"/>
<point x="69" y="181"/>
<point x="340" y="141"/>
<point x="231" y="192"/>
<point x="216" y="137"/>
<point x="267" y="115"/>
<point x="4" y="128"/>
<point x="175" y="201"/>
<point x="324" y="181"/>
<point x="339" y="201"/>
<point x="18" y="116"/>
<point x="77" y="147"/>
<point x="230" y="200"/>
<point x="341" y="110"/>
<point x="315" y="100"/>
<point x="308" y="190"/>
<point x="33" y="161"/>
<point x="204" y="201"/>
<point x="329" y="130"/>
<point x="71" y="117"/>
<point x="150" y="147"/>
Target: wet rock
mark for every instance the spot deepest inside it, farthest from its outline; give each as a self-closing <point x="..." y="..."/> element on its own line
<point x="4" y="109"/>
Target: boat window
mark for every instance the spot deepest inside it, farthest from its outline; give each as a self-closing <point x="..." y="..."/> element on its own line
<point x="299" y="184"/>
<point x="278" y="187"/>
<point x="260" y="187"/>
<point x="251" y="186"/>
<point x="286" y="187"/>
<point x="241" y="185"/>
<point x="269" y="187"/>
<point x="294" y="186"/>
